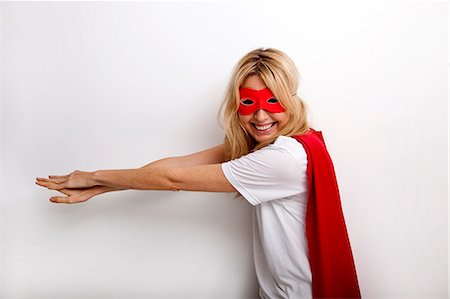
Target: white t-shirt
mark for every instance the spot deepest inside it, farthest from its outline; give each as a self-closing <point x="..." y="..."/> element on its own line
<point x="273" y="179"/>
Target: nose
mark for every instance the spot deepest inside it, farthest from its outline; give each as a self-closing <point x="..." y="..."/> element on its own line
<point x="261" y="115"/>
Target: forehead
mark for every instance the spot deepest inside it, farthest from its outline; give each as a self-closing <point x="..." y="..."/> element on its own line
<point x="253" y="82"/>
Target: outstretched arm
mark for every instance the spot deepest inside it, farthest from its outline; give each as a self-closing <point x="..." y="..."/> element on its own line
<point x="213" y="155"/>
<point x="195" y="172"/>
<point x="191" y="178"/>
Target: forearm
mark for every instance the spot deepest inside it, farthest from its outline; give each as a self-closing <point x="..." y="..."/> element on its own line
<point x="150" y="178"/>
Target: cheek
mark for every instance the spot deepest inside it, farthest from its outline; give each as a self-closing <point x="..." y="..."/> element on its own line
<point x="282" y="118"/>
<point x="244" y="119"/>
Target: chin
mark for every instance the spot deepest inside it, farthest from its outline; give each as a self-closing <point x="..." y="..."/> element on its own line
<point x="260" y="139"/>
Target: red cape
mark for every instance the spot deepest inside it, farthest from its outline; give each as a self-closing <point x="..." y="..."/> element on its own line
<point x="330" y="254"/>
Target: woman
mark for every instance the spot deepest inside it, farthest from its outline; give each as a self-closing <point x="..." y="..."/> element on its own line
<point x="270" y="157"/>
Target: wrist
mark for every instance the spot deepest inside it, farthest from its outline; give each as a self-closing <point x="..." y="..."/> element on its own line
<point x="95" y="178"/>
<point x="114" y="178"/>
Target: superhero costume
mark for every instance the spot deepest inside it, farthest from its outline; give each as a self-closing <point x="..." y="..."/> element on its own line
<point x="330" y="255"/>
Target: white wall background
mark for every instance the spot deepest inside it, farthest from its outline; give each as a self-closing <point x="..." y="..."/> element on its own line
<point x="112" y="85"/>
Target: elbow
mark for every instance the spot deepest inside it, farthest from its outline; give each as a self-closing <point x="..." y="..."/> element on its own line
<point x="174" y="186"/>
<point x="172" y="182"/>
<point x="158" y="178"/>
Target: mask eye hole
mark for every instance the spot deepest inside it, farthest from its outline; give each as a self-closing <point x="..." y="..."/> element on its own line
<point x="272" y="101"/>
<point x="247" y="102"/>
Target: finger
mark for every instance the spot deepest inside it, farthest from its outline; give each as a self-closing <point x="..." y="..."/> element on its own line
<point x="59" y="199"/>
<point x="58" y="176"/>
<point x="56" y="181"/>
<point x="41" y="183"/>
<point x="56" y="186"/>
<point x="68" y="199"/>
<point x="50" y="185"/>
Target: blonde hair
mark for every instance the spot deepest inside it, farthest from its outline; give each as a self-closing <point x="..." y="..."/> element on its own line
<point x="280" y="75"/>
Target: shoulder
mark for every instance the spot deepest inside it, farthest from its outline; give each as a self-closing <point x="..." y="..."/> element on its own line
<point x="285" y="156"/>
<point x="287" y="145"/>
<point x="275" y="171"/>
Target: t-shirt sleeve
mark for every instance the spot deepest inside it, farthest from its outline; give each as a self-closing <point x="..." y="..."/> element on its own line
<point x="267" y="174"/>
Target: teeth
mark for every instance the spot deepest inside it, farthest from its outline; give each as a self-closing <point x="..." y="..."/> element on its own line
<point x="263" y="128"/>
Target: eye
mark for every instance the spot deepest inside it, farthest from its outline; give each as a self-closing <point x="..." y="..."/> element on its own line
<point x="272" y="101"/>
<point x="247" y="102"/>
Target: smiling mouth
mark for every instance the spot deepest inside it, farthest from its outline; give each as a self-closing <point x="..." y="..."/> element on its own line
<point x="264" y="127"/>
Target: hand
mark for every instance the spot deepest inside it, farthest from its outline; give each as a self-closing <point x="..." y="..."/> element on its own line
<point x="76" y="179"/>
<point x="75" y="195"/>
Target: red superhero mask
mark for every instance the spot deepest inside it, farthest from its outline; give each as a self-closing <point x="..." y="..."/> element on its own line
<point x="253" y="100"/>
